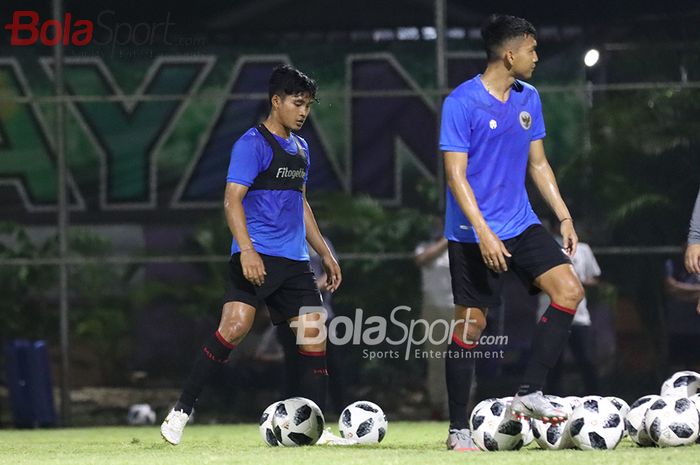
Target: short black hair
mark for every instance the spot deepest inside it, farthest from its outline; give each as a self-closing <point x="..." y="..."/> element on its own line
<point x="498" y="29"/>
<point x="287" y="80"/>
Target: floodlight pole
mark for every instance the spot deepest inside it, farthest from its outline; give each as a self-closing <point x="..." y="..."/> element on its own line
<point x="440" y="46"/>
<point x="62" y="206"/>
<point x="441" y="80"/>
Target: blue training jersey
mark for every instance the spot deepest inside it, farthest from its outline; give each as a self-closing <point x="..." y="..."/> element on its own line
<point x="275" y="218"/>
<point x="497" y="137"/>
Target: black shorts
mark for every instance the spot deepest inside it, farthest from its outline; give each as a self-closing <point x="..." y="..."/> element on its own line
<point x="289" y="285"/>
<point x="533" y="252"/>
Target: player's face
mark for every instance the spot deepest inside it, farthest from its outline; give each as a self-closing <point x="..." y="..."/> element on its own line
<point x="294" y="109"/>
<point x="524" y="56"/>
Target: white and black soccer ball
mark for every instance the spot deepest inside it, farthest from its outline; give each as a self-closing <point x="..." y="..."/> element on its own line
<point x="363" y="422"/>
<point x="297" y="422"/>
<point x="140" y="414"/>
<point x="266" y="429"/>
<point x="634" y="421"/>
<point x="596" y="424"/>
<point x="672" y="421"/>
<point x="552" y="436"/>
<point x="574" y="401"/>
<point x="681" y="384"/>
<point x="494" y="429"/>
<point x="622" y="406"/>
<point x="528" y="434"/>
<point x="696" y="400"/>
<point x="479" y="405"/>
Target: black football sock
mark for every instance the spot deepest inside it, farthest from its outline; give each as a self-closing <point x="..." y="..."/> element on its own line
<point x="313" y="377"/>
<point x="549" y="340"/>
<point x="459" y="373"/>
<point x="213" y="356"/>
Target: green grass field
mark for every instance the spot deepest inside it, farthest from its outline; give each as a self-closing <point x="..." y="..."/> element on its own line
<point x="406" y="443"/>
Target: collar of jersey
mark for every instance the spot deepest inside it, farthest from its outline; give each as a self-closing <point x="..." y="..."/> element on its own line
<point x="286" y="144"/>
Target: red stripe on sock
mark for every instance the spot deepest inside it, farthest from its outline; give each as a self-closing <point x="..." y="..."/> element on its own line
<point x="223" y="341"/>
<point x="570" y="311"/>
<point x="461" y="343"/>
<point x="312" y="354"/>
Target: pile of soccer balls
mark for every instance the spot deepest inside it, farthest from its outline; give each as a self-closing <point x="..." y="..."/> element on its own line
<point x="299" y="422"/>
<point x="671" y="419"/>
<point x="594" y="422"/>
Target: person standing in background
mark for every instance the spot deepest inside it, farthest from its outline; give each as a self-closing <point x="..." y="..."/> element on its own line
<point x="581" y="341"/>
<point x="692" y="252"/>
<point x="432" y="258"/>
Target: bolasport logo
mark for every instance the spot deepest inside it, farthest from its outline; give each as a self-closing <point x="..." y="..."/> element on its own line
<point x="375" y="330"/>
<point x="27" y="29"/>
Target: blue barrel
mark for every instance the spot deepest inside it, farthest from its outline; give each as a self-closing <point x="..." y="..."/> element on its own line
<point x="29" y="384"/>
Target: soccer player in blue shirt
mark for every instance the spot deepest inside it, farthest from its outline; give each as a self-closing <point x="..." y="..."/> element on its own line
<point x="491" y="137"/>
<point x="271" y="221"/>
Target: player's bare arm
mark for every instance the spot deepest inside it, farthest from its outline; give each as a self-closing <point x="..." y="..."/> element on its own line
<point x="314" y="237"/>
<point x="492" y="249"/>
<point x="692" y="258"/>
<point x="251" y="263"/>
<point x="542" y="175"/>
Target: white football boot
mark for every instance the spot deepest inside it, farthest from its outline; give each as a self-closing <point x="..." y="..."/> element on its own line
<point x="172" y="427"/>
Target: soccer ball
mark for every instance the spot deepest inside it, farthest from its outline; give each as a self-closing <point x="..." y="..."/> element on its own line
<point x="493" y="429"/>
<point x="681" y="384"/>
<point x="672" y="421"/>
<point x="620" y="404"/>
<point x="634" y="421"/>
<point x="528" y="437"/>
<point x="140" y="414"/>
<point x="696" y="400"/>
<point x="528" y="434"/>
<point x="595" y="424"/>
<point x="552" y="436"/>
<point x="266" y="429"/>
<point x="481" y="404"/>
<point x="297" y="422"/>
<point x="623" y="407"/>
<point x="363" y="422"/>
<point x="574" y="401"/>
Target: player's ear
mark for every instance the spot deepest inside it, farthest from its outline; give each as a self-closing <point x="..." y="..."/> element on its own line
<point x="510" y="57"/>
<point x="276" y="101"/>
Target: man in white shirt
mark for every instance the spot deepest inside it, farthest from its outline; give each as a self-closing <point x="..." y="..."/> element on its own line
<point x="437" y="304"/>
<point x="581" y="341"/>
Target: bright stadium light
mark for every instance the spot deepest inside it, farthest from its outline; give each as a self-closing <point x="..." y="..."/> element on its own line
<point x="591" y="58"/>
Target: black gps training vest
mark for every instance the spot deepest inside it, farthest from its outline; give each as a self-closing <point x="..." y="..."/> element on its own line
<point x="286" y="171"/>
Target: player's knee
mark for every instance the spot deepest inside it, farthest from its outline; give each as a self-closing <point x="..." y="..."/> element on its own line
<point x="310" y="329"/>
<point x="234" y="331"/>
<point x="570" y="296"/>
<point x="470" y="331"/>
<point x="319" y="348"/>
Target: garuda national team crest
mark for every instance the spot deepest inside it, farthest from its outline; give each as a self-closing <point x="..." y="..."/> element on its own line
<point x="525" y="120"/>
